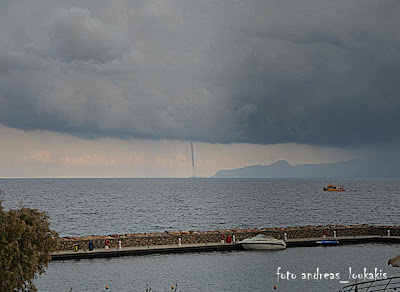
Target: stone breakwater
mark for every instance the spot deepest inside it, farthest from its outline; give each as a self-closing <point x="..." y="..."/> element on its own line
<point x="187" y="237"/>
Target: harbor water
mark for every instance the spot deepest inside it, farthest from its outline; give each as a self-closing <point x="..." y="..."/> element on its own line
<point x="224" y="271"/>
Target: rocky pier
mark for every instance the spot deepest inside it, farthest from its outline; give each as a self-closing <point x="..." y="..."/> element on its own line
<point x="181" y="241"/>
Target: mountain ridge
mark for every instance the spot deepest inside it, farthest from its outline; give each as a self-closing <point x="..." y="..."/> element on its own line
<point x="282" y="169"/>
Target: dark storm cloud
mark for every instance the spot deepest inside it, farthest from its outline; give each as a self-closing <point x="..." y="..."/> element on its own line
<point x="75" y="35"/>
<point x="322" y="73"/>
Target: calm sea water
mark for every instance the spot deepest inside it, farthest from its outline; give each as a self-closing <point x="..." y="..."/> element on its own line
<point x="81" y="207"/>
<point x="221" y="271"/>
<point x="106" y="206"/>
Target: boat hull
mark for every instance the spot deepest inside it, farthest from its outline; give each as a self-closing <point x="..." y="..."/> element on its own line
<point x="334" y="190"/>
<point x="263" y="246"/>
<point x="327" y="242"/>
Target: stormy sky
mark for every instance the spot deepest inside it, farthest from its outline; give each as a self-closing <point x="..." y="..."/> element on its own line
<point x="319" y="73"/>
<point x="213" y="71"/>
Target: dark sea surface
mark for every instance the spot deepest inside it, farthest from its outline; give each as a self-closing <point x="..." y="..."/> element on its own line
<point x="79" y="207"/>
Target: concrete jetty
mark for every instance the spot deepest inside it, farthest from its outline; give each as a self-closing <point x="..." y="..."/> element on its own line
<point x="353" y="235"/>
<point x="143" y="250"/>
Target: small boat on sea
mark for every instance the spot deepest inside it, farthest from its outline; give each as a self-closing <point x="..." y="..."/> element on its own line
<point x="332" y="188"/>
<point x="262" y="242"/>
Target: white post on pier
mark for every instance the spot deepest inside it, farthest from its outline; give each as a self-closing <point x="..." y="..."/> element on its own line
<point x="285" y="236"/>
<point x="179" y="241"/>
<point x="388" y="232"/>
<point x="119" y="245"/>
<point x="334" y="234"/>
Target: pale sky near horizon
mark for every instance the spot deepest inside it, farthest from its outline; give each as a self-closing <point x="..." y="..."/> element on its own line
<point x="99" y="88"/>
<point x="47" y="154"/>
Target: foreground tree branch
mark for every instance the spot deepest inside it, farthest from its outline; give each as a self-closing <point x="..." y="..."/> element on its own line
<point x="26" y="243"/>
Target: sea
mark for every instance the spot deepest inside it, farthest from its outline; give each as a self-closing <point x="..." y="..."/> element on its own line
<point x="80" y="207"/>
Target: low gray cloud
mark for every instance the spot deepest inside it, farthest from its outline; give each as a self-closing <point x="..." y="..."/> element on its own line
<point x="264" y="72"/>
<point x="76" y="35"/>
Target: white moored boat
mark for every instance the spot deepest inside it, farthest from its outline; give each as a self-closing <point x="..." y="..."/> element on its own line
<point x="263" y="241"/>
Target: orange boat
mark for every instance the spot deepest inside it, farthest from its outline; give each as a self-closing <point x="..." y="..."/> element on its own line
<point x="332" y="188"/>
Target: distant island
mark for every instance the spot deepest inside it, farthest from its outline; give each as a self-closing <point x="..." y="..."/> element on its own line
<point x="343" y="169"/>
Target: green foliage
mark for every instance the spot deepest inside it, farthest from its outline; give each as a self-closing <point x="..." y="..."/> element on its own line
<point x="26" y="243"/>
